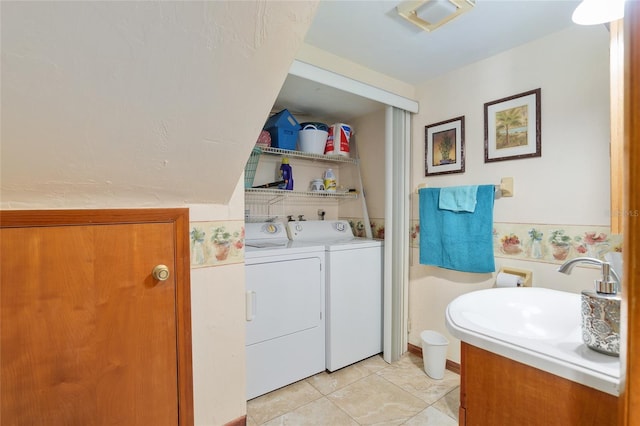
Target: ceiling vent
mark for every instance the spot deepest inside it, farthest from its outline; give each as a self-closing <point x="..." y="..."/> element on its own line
<point x="433" y="13"/>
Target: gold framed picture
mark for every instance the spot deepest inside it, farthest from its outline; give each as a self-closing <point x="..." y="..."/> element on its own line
<point x="512" y="127"/>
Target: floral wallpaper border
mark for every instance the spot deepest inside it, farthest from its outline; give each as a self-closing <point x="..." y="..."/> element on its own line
<point x="357" y="225"/>
<point x="546" y="243"/>
<point x="554" y="243"/>
<point x="219" y="243"/>
<point x="216" y="243"/>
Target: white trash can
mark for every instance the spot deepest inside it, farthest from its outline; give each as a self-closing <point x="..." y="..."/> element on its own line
<point x="434" y="353"/>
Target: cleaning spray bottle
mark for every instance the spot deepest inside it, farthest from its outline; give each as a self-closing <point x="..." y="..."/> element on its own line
<point x="286" y="174"/>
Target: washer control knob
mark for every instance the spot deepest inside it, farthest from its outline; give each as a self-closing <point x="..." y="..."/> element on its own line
<point x="271" y="228"/>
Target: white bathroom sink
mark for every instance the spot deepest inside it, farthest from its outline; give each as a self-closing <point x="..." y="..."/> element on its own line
<point x="535" y="326"/>
<point x="521" y="312"/>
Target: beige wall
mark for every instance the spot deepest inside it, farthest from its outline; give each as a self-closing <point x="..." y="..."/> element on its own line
<point x="369" y="136"/>
<point x="569" y="184"/>
<point x="218" y="326"/>
<point x="328" y="61"/>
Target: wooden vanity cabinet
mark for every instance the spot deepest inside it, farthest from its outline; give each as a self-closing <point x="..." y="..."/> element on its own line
<point x="496" y="390"/>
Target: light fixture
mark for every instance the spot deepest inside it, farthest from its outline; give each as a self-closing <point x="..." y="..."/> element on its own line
<point x="591" y="12"/>
<point x="435" y="12"/>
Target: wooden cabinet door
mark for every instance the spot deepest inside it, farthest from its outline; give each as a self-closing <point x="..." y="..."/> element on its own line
<point x="496" y="390"/>
<point x="88" y="335"/>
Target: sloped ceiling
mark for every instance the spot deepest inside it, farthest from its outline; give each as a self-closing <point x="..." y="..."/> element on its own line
<point x="133" y="104"/>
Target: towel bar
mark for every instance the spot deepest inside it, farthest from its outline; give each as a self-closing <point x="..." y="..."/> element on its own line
<point x="505" y="189"/>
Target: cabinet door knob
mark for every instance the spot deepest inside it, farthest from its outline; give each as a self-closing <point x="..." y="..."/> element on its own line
<point x="160" y="272"/>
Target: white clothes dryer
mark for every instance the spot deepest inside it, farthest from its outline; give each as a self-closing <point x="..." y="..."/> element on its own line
<point x="285" y="305"/>
<point x="354" y="291"/>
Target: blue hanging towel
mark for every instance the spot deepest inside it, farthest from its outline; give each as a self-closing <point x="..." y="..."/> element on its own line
<point x="462" y="241"/>
<point x="458" y="198"/>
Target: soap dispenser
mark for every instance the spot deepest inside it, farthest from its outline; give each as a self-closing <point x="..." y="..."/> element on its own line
<point x="600" y="308"/>
<point x="601" y="315"/>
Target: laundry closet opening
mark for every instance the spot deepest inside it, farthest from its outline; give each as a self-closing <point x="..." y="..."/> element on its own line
<point x="363" y="177"/>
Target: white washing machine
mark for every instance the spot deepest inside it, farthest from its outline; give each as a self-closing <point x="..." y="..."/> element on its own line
<point x="285" y="305"/>
<point x="354" y="307"/>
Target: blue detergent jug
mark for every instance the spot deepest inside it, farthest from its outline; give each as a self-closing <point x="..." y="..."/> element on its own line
<point x="286" y="174"/>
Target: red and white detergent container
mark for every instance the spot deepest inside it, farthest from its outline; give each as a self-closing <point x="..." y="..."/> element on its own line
<point x="338" y="140"/>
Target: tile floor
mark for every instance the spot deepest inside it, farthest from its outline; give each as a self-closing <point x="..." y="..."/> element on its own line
<point x="370" y="392"/>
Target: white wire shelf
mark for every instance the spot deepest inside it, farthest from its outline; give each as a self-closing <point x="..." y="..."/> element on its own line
<point x="299" y="194"/>
<point x="309" y="156"/>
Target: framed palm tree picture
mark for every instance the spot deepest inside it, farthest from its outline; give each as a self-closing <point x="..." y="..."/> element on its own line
<point x="512" y="127"/>
<point x="444" y="147"/>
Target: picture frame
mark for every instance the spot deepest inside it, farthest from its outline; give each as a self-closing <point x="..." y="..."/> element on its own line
<point x="512" y="127"/>
<point x="444" y="147"/>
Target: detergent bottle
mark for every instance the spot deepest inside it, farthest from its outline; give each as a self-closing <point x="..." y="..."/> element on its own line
<point x="329" y="180"/>
<point x="286" y="174"/>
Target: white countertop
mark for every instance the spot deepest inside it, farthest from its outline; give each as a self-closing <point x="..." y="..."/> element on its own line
<point x="535" y="326"/>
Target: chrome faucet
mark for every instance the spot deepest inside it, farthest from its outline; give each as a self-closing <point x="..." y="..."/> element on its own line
<point x="603" y="285"/>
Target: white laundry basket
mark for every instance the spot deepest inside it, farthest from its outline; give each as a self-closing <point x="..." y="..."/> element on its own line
<point x="434" y="353"/>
